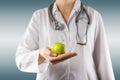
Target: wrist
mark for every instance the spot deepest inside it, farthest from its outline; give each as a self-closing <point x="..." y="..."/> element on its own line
<point x="40" y="59"/>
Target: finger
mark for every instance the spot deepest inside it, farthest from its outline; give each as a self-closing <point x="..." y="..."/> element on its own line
<point x="66" y="56"/>
<point x="50" y="56"/>
<point x="62" y="57"/>
<point x="53" y="54"/>
<point x="49" y="53"/>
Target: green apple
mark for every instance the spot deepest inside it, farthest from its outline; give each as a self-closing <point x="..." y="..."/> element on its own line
<point x="58" y="48"/>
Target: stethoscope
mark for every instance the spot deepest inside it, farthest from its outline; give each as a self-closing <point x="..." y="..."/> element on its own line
<point x="58" y="26"/>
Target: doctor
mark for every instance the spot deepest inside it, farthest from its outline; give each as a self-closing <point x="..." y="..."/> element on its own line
<point x="81" y="29"/>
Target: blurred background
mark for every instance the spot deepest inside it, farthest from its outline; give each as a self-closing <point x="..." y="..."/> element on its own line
<point x="15" y="16"/>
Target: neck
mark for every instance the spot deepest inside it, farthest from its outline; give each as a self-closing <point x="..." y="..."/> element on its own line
<point x="65" y="7"/>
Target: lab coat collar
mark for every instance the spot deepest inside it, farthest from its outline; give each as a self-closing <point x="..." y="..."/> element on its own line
<point x="76" y="7"/>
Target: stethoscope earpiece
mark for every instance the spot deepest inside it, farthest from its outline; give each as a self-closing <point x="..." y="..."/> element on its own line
<point x="81" y="43"/>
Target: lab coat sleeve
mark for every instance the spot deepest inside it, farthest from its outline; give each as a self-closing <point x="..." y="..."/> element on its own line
<point x="28" y="50"/>
<point x="101" y="53"/>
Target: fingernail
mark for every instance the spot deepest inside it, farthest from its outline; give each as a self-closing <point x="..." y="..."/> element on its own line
<point x="55" y="54"/>
<point x="74" y="54"/>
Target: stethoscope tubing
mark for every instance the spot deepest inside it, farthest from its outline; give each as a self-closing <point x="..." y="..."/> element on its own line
<point x="55" y="23"/>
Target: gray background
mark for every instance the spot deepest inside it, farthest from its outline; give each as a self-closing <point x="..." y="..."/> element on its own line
<point x="15" y="16"/>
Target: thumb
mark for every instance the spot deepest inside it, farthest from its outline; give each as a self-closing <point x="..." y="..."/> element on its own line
<point x="53" y="54"/>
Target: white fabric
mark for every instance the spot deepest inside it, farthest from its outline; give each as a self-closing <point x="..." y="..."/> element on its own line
<point x="93" y="60"/>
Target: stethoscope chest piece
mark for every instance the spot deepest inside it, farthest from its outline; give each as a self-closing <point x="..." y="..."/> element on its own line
<point x="59" y="26"/>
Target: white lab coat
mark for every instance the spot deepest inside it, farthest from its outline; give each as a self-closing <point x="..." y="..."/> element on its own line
<point x="92" y="62"/>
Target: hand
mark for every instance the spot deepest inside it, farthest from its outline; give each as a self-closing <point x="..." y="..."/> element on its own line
<point x="46" y="53"/>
